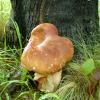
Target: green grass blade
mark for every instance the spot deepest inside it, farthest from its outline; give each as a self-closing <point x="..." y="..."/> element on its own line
<point x="13" y="81"/>
<point x="49" y="95"/>
<point x="18" y="33"/>
<point x="23" y="74"/>
<point x="7" y="96"/>
<point x="21" y="94"/>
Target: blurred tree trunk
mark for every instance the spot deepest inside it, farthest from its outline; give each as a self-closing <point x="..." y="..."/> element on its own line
<point x="70" y="16"/>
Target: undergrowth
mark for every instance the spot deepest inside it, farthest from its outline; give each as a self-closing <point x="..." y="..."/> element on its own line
<point x="17" y="83"/>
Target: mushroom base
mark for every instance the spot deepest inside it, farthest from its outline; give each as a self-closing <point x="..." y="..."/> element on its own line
<point x="48" y="83"/>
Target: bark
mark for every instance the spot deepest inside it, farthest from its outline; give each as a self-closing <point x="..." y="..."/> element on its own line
<point x="70" y="16"/>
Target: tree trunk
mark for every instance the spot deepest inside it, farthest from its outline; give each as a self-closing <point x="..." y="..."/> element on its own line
<point x="70" y="16"/>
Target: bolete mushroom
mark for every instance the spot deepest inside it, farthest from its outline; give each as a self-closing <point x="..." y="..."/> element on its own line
<point x="45" y="54"/>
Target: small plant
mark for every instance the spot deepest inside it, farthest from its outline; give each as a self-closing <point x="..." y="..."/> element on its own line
<point x="5" y="8"/>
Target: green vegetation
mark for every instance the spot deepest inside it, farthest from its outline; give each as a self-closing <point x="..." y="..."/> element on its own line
<point x="79" y="81"/>
<point x="76" y="81"/>
<point x="5" y="8"/>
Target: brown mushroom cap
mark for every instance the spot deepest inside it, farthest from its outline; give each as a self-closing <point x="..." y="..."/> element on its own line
<point x="50" y="53"/>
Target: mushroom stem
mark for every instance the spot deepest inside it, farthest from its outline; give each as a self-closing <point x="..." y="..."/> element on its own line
<point x="48" y="83"/>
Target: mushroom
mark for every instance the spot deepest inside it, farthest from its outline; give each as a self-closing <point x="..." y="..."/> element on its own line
<point x="46" y="54"/>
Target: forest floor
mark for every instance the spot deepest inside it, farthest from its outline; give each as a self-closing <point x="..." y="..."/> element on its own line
<point x="80" y="79"/>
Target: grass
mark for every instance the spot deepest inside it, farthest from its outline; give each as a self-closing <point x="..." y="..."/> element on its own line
<point x="75" y="84"/>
